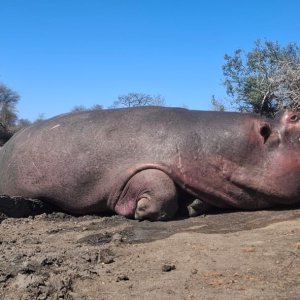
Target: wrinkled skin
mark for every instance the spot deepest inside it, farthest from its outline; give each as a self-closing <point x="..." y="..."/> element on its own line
<point x="146" y="163"/>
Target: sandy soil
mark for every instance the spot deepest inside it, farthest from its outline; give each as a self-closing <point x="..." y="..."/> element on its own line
<point x="237" y="255"/>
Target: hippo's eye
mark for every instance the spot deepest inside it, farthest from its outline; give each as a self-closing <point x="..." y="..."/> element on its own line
<point x="294" y="118"/>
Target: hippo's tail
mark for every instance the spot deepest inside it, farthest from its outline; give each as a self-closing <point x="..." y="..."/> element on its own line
<point x="5" y="134"/>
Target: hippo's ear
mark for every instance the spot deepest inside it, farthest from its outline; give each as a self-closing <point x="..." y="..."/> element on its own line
<point x="265" y="131"/>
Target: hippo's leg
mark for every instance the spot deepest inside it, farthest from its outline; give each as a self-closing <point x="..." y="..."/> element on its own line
<point x="153" y="194"/>
<point x="197" y="207"/>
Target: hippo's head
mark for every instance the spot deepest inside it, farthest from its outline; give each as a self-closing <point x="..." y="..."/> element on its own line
<point x="273" y="167"/>
<point x="285" y="166"/>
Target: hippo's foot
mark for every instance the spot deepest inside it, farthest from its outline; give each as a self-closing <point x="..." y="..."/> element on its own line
<point x="198" y="207"/>
<point x="152" y="195"/>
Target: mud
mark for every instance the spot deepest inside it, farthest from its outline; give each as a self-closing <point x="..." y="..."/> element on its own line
<point x="233" y="255"/>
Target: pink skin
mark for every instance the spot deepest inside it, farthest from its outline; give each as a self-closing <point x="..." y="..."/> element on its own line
<point x="274" y="176"/>
<point x="149" y="194"/>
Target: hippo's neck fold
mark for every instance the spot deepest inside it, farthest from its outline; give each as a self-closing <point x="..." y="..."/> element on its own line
<point x="214" y="185"/>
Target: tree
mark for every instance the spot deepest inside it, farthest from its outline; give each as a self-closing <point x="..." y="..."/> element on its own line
<point x="217" y="105"/>
<point x="83" y="108"/>
<point x="5" y="135"/>
<point x="40" y="118"/>
<point x="264" y="80"/>
<point x="138" y="99"/>
<point x="288" y="82"/>
<point x="8" y="102"/>
<point x="96" y="107"/>
<point x="21" y="123"/>
<point x="78" y="108"/>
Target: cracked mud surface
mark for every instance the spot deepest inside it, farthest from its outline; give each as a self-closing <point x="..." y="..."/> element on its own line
<point x="237" y="255"/>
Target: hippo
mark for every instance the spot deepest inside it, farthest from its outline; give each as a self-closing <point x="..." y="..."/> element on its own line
<point x="151" y="162"/>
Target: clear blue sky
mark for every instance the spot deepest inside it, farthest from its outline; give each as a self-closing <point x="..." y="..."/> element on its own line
<point x="60" y="53"/>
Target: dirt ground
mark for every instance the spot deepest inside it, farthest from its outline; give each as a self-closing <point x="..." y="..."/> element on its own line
<point x="237" y="255"/>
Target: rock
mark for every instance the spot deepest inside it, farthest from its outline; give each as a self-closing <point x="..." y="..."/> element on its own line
<point x="106" y="256"/>
<point x="122" y="277"/>
<point x="168" y="267"/>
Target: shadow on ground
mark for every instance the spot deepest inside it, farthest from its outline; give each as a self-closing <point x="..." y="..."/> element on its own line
<point x="229" y="222"/>
<point x="146" y="231"/>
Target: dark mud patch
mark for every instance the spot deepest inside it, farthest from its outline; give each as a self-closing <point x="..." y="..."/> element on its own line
<point x="122" y="230"/>
<point x="19" y="207"/>
<point x="126" y="236"/>
<point x="222" y="223"/>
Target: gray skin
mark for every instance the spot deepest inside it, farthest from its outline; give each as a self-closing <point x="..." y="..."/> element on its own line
<point x="145" y="163"/>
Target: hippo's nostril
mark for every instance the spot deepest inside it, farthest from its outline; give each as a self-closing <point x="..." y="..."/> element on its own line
<point x="265" y="132"/>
